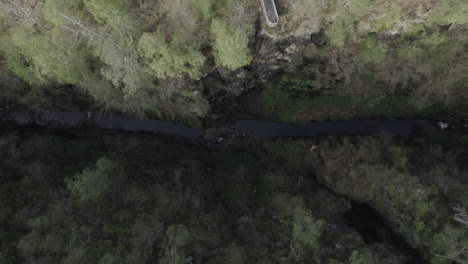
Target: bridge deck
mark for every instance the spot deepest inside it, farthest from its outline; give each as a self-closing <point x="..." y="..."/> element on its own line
<point x="269" y="10"/>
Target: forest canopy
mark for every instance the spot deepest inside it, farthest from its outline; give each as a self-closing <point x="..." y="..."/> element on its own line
<point x="85" y="195"/>
<point x="146" y="56"/>
<point x="88" y="196"/>
<point x="126" y="47"/>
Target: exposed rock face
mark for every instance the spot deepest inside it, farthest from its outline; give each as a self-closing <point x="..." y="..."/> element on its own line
<point x="271" y="56"/>
<point x="278" y="49"/>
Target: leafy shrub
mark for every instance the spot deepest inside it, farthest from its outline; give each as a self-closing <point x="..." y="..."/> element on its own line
<point x="92" y="185"/>
<point x="306" y="232"/>
<point x="230" y="44"/>
<point x="235" y="255"/>
<point x="166" y="60"/>
<point x="383" y="179"/>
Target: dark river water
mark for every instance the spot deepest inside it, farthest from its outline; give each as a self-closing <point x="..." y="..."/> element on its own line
<point x="247" y="128"/>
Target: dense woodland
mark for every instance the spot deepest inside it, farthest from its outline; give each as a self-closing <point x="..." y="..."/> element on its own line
<point x="159" y="57"/>
<point x="106" y="197"/>
<point x="90" y="196"/>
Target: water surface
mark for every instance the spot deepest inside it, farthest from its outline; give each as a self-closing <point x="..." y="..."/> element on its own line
<point x="249" y="128"/>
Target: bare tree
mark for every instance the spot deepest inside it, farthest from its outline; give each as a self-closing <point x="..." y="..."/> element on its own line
<point x="78" y="26"/>
<point x="21" y="11"/>
<point x="184" y="10"/>
<point x="239" y="13"/>
<point x="461" y="215"/>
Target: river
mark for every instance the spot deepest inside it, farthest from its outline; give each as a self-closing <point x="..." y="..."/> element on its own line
<point x="257" y="129"/>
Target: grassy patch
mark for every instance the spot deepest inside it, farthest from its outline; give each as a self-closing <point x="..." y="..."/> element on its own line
<point x="396" y="106"/>
<point x="287" y="105"/>
<point x="282" y="106"/>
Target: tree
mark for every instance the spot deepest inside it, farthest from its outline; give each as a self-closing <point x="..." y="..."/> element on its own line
<point x="461" y="215"/>
<point x="205" y="8"/>
<point x="22" y="12"/>
<point x="373" y="50"/>
<point x="230" y="44"/>
<point x="306" y="232"/>
<point x="286" y="205"/>
<point x="41" y="57"/>
<point x="49" y="234"/>
<point x="187" y="19"/>
<point x="19" y="64"/>
<point x="75" y="256"/>
<point x="72" y="18"/>
<point x="235" y="255"/>
<point x="170" y="60"/>
<point x="121" y="66"/>
<point x="450" y="246"/>
<point x="178" y="237"/>
<point x="110" y="12"/>
<point x="110" y="258"/>
<point x="114" y="43"/>
<point x="360" y="257"/>
<point x="92" y="185"/>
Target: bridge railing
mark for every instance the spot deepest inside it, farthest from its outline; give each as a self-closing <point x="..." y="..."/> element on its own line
<point x="270" y="12"/>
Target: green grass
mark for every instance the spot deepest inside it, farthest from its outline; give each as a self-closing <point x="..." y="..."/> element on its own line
<point x="336" y="101"/>
<point x="396" y="106"/>
<point x="285" y="106"/>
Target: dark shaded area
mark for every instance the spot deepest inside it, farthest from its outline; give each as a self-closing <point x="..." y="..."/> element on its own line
<point x="228" y="201"/>
<point x="271" y="130"/>
<point x="373" y="228"/>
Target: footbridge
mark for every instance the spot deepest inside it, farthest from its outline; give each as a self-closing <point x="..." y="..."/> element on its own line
<point x="270" y="13"/>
